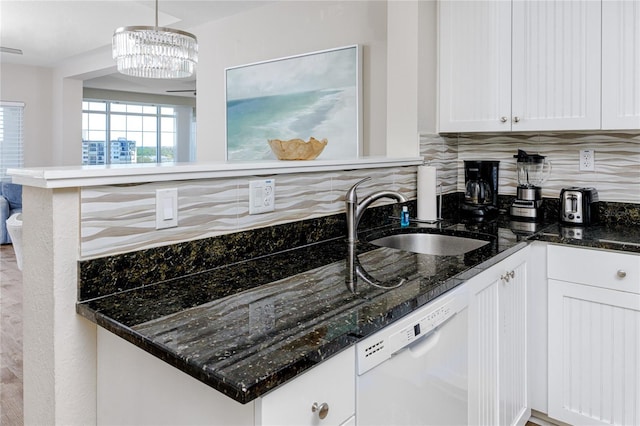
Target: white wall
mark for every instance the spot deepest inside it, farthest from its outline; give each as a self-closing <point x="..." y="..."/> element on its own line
<point x="427" y="66"/>
<point x="284" y="29"/>
<point x="271" y="31"/>
<point x="33" y="86"/>
<point x="402" y="84"/>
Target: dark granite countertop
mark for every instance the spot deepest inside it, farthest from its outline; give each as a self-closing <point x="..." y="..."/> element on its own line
<point x="248" y="327"/>
<point x="605" y="237"/>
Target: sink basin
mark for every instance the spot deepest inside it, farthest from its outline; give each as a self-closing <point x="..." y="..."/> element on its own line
<point x="435" y="244"/>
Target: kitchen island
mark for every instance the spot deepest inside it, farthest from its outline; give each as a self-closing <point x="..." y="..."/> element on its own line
<point x="248" y="327"/>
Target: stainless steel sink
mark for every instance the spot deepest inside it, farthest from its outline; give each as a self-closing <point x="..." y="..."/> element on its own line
<point x="435" y="244"/>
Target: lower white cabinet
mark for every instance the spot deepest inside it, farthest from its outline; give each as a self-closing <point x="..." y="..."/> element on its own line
<point x="498" y="343"/>
<point x="594" y="336"/>
<point x="324" y="395"/>
<point x="136" y="388"/>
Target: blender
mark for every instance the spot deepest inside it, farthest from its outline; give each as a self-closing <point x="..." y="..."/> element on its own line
<point x="532" y="170"/>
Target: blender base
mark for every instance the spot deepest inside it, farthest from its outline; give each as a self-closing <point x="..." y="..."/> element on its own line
<point x="530" y="211"/>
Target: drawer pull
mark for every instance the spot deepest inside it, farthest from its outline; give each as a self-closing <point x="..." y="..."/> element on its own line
<point x="622" y="273"/>
<point x="508" y="275"/>
<point x="321" y="409"/>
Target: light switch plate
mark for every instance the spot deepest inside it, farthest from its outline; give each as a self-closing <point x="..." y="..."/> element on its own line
<point x="166" y="208"/>
<point x="262" y="196"/>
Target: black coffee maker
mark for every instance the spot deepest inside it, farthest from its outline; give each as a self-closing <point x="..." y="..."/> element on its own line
<point x="480" y="189"/>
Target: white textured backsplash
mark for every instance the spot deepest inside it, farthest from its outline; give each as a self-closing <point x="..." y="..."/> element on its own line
<point x="617" y="160"/>
<point x="121" y="218"/>
<point x="118" y="219"/>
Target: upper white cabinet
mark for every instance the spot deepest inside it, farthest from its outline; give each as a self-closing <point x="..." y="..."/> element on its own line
<point x="556" y="65"/>
<point x="620" y="64"/>
<point x="519" y="66"/>
<point x="474" y="63"/>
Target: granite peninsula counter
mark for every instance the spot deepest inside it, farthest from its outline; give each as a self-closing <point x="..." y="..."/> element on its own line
<point x="248" y="327"/>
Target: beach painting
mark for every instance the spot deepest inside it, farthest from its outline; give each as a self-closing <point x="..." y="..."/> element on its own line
<point x="312" y="95"/>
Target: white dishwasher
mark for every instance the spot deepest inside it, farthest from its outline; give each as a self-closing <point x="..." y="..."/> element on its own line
<point x="414" y="372"/>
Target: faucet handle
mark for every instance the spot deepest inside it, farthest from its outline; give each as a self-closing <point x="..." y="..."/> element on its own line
<point x="351" y="195"/>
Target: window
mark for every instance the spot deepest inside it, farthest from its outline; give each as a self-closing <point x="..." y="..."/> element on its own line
<point x="118" y="132"/>
<point x="11" y="136"/>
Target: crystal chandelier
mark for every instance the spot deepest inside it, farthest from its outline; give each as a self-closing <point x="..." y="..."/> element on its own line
<point x="155" y="52"/>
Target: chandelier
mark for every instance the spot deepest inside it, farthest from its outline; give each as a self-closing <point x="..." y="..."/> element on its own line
<point x="155" y="52"/>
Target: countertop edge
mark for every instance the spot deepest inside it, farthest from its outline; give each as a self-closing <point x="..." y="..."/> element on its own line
<point x="117" y="174"/>
<point x="597" y="245"/>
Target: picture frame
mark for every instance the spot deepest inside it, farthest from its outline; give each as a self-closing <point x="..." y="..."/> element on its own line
<point x="316" y="94"/>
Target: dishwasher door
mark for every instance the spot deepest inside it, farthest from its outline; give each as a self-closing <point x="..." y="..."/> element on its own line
<point x="424" y="383"/>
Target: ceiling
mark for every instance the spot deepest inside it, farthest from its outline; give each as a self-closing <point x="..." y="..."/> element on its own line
<point x="49" y="32"/>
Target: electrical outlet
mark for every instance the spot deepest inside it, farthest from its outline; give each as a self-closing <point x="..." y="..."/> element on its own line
<point x="262" y="196"/>
<point x="587" y="160"/>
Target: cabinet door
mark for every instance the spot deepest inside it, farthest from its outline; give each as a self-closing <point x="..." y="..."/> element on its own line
<point x="483" y="353"/>
<point x="556" y="65"/>
<point x="594" y="348"/>
<point x="474" y="66"/>
<point x="513" y="346"/>
<point x="329" y="386"/>
<point x="620" y="64"/>
<point x="498" y="344"/>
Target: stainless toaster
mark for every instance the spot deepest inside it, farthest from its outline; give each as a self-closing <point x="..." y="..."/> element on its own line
<point x="579" y="206"/>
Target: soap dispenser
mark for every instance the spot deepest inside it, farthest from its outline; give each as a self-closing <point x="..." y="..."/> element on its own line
<point x="404" y="216"/>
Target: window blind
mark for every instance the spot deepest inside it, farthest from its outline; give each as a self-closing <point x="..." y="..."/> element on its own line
<point x="11" y="136"/>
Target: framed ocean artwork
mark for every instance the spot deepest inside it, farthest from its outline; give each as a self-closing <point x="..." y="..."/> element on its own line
<point x="315" y="95"/>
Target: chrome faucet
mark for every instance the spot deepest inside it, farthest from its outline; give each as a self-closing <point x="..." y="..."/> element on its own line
<point x="356" y="271"/>
<point x="355" y="210"/>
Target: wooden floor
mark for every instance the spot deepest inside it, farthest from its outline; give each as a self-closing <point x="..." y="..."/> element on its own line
<point x="11" y="412"/>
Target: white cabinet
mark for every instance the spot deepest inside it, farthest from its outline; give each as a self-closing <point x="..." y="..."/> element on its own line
<point x="136" y="388"/>
<point x="620" y="64"/>
<point x="537" y="330"/>
<point x="594" y="336"/>
<point x="474" y="66"/>
<point x="324" y="396"/>
<point x="519" y="66"/>
<point x="498" y="343"/>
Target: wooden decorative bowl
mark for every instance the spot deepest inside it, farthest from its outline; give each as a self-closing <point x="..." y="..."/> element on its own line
<point x="297" y="149"/>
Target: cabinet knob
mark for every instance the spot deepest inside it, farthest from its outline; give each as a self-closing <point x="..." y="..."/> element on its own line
<point x="321" y="409"/>
<point x="622" y="273"/>
<point x="508" y="275"/>
<point x="516" y="119"/>
<point x="503" y="119"/>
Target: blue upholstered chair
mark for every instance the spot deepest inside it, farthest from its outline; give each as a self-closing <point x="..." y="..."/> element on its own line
<point x="10" y="203"/>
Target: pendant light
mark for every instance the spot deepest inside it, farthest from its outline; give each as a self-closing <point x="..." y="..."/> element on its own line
<point x="155" y="52"/>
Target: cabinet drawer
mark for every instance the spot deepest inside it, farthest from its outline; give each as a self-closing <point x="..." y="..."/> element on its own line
<point x="331" y="383"/>
<point x="606" y="269"/>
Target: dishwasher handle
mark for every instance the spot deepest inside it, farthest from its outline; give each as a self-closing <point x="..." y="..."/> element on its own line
<point x="408" y="337"/>
<point x="427" y="341"/>
<point x="423" y="346"/>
